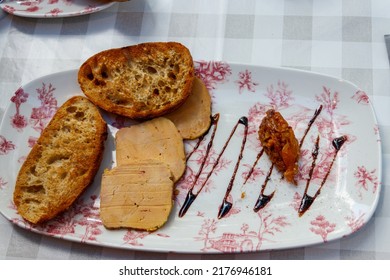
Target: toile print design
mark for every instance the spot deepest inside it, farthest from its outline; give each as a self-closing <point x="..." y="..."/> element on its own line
<point x="134" y="238"/>
<point x="355" y="221"/>
<point x="18" y="121"/>
<point x="366" y="181"/>
<point x="81" y="220"/>
<point x="212" y="73"/>
<point x="322" y="227"/>
<point x="245" y="82"/>
<point x="3" y="183"/>
<point x="41" y="115"/>
<point x="5" y="146"/>
<point x="361" y="97"/>
<point x="247" y="239"/>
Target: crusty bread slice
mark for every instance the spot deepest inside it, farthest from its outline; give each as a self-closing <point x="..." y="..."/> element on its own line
<point x="141" y="81"/>
<point x="62" y="163"/>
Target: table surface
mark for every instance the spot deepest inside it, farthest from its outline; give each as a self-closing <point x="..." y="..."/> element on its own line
<point x="342" y="38"/>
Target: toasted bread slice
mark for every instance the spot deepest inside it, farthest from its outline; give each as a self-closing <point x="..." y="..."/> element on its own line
<point x="154" y="140"/>
<point x="193" y="118"/>
<point x="140" y="82"/>
<point x="138" y="195"/>
<point x="62" y="163"/>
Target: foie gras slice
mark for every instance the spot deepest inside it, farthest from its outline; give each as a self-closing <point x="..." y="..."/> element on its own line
<point x="193" y="118"/>
<point x="157" y="140"/>
<point x="138" y="196"/>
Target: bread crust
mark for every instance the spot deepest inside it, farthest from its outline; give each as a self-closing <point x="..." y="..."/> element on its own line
<point x="62" y="163"/>
<point x="142" y="81"/>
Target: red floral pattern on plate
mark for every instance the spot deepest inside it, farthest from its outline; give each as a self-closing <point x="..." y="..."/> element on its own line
<point x="243" y="241"/>
<point x="3" y="183"/>
<point x="245" y="82"/>
<point x="322" y="227"/>
<point x="365" y="179"/>
<point x="5" y="146"/>
<point x="19" y="121"/>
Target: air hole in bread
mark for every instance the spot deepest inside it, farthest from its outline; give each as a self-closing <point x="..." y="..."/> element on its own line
<point x="103" y="72"/>
<point x="65" y="128"/>
<point x="79" y="115"/>
<point x="51" y="160"/>
<point x="32" y="201"/>
<point x="71" y="109"/>
<point x="156" y="91"/>
<point x="152" y="70"/>
<point x="33" y="189"/>
<point x="88" y="72"/>
<point x="172" y="75"/>
<point x="90" y="76"/>
<point x="32" y="170"/>
<point x="168" y="89"/>
<point x="99" y="82"/>
<point x="176" y="68"/>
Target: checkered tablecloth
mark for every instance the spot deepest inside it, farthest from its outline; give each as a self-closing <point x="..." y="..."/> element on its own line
<point x="343" y="38"/>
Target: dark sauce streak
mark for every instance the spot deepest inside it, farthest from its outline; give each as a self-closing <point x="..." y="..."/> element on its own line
<point x="263" y="199"/>
<point x="316" y="114"/>
<point x="338" y="142"/>
<point x="200" y="139"/>
<point x="187" y="204"/>
<point x="254" y="165"/>
<point x="308" y="200"/>
<point x="190" y="195"/>
<point x="226" y="205"/>
<point x="214" y="123"/>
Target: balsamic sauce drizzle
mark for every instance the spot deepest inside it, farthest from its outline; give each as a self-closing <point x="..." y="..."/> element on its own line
<point x="191" y="196"/>
<point x="316" y="113"/>
<point x="308" y="200"/>
<point x="254" y="165"/>
<point x="214" y="121"/>
<point x="200" y="139"/>
<point x="263" y="199"/>
<point x="226" y="205"/>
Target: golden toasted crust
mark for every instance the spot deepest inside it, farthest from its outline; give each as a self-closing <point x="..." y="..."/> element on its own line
<point x="62" y="163"/>
<point x="140" y="81"/>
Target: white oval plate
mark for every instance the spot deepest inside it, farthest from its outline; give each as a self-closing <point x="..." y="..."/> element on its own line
<point x="347" y="201"/>
<point x="53" y="8"/>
